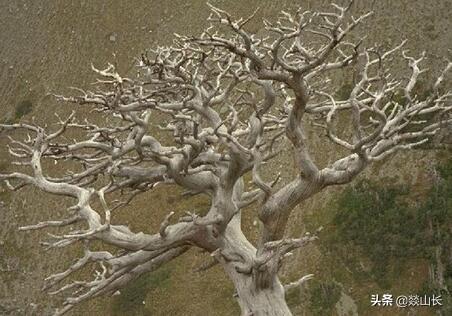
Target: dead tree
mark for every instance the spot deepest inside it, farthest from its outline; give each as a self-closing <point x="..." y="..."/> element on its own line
<point x="232" y="100"/>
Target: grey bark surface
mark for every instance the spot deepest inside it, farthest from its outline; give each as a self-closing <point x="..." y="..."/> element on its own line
<point x="212" y="152"/>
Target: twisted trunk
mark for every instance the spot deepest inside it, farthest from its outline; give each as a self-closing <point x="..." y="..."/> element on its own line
<point x="256" y="301"/>
<point x="259" y="291"/>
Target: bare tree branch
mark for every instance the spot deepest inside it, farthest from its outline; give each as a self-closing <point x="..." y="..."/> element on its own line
<point x="228" y="101"/>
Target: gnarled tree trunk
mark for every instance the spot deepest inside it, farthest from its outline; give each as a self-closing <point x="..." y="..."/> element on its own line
<point x="271" y="85"/>
<point x="258" y="289"/>
<point x="256" y="301"/>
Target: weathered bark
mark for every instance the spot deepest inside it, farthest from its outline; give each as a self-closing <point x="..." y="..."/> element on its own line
<point x="255" y="301"/>
<point x="255" y="296"/>
<point x="270" y="86"/>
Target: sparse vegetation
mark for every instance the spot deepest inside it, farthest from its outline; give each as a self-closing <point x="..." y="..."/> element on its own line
<point x="23" y="108"/>
<point x="343" y="93"/>
<point x="131" y="300"/>
<point x="383" y="229"/>
<point x="323" y="296"/>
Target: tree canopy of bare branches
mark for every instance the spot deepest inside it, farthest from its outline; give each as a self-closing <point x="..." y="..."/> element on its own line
<point x="231" y="100"/>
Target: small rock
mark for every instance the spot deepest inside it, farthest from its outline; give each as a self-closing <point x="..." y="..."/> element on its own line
<point x="113" y="37"/>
